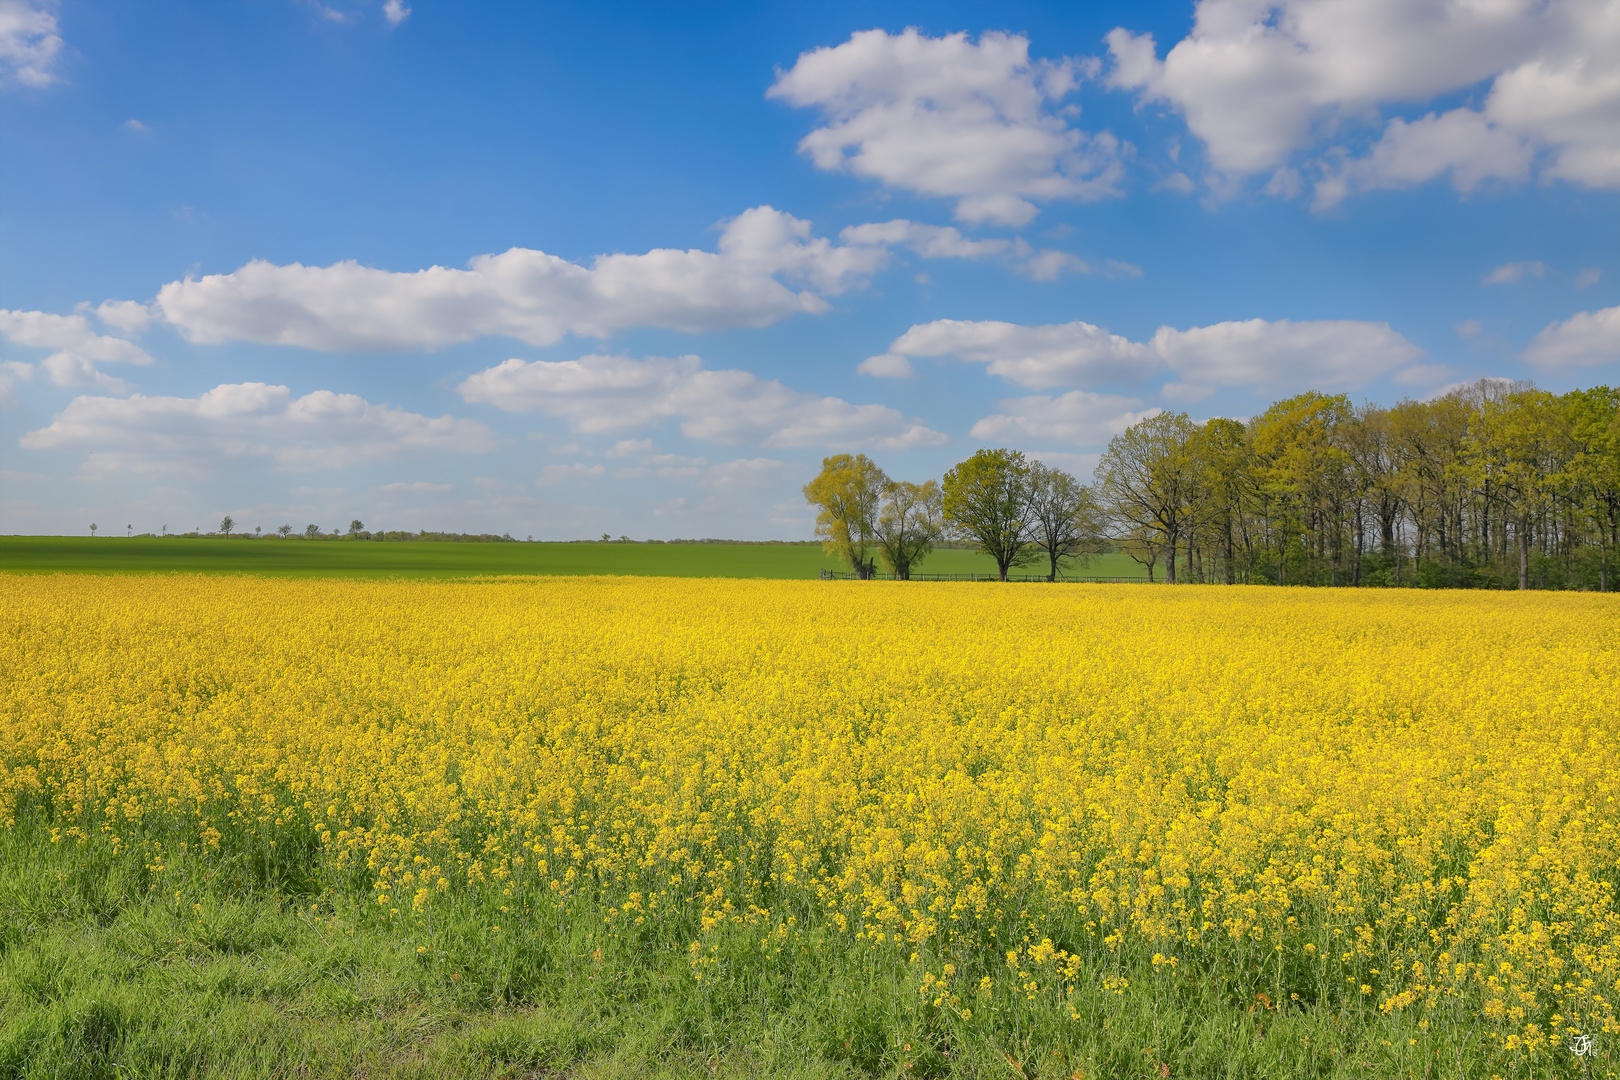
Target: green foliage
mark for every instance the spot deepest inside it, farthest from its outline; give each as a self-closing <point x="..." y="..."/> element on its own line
<point x="1495" y="485"/>
<point x="909" y="525"/>
<point x="848" y="495"/>
<point x="986" y="501"/>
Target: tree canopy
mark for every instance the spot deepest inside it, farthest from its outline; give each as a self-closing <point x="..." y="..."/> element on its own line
<point x="986" y="501"/>
<point x="847" y="494"/>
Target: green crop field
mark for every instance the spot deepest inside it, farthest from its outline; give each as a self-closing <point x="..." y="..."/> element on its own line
<point x="427" y="559"/>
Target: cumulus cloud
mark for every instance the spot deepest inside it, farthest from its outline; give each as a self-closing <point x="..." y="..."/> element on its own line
<point x="1461" y="142"/>
<point x="954" y="118"/>
<point x="247" y="422"/>
<point x="1514" y="272"/>
<point x="1585" y="339"/>
<point x="396" y="12"/>
<point x="125" y="316"/>
<point x="768" y="267"/>
<point x="1079" y="417"/>
<point x="932" y="241"/>
<point x="1326" y="354"/>
<point x="886" y="366"/>
<point x="75" y="349"/>
<point x="29" y="43"/>
<point x="1034" y="356"/>
<point x="598" y="394"/>
<point x="1259" y="82"/>
<point x="13" y="372"/>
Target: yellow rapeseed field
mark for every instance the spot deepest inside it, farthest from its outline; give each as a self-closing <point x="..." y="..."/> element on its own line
<point x="1397" y="801"/>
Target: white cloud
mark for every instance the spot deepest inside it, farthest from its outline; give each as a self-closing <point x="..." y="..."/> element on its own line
<point x="1511" y="273"/>
<point x="1259" y="82"/>
<point x="1461" y="141"/>
<point x="1585" y="339"/>
<point x="744" y="474"/>
<point x="523" y="293"/>
<point x="419" y="487"/>
<point x="76" y="349"/>
<point x="1048" y="264"/>
<point x="631" y="448"/>
<point x="946" y="242"/>
<point x="1034" y="356"/>
<point x="1588" y="277"/>
<point x="1327" y="354"/>
<point x="13" y="372"/>
<point x="1178" y="182"/>
<point x="560" y="474"/>
<point x="135" y="127"/>
<point x="29" y="43"/>
<point x="396" y="12"/>
<point x="886" y="366"/>
<point x="247" y="421"/>
<point x="597" y="394"/>
<point x="1425" y="375"/>
<point x="125" y="316"/>
<point x="930" y="241"/>
<point x="1079" y="417"/>
<point x="767" y="267"/>
<point x="1470" y="328"/>
<point x="951" y="117"/>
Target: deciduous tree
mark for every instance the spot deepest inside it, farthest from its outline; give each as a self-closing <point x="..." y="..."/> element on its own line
<point x="986" y="501"/>
<point x="848" y="494"/>
<point x="1068" y="519"/>
<point x="909" y="525"/>
<point x="1146" y="479"/>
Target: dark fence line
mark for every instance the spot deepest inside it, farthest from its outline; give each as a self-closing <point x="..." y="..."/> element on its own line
<point x="846" y="575"/>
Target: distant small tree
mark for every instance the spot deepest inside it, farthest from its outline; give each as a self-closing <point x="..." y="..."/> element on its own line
<point x="606" y="538"/>
<point x="226" y="524"/>
<point x="847" y="494"/>
<point x="129" y="530"/>
<point x="311" y="532"/>
<point x="284" y="531"/>
<point x="356" y="527"/>
<point x="1069" y="521"/>
<point x="911" y="522"/>
<point x="93" y="528"/>
<point x="165" y="530"/>
<point x="987" y="501"/>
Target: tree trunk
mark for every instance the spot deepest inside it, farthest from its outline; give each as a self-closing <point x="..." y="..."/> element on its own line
<point x="1170" y="563"/>
<point x="1524" y="555"/>
<point x="1231" y="576"/>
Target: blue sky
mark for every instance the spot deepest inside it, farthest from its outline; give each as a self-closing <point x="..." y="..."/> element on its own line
<point x="559" y="270"/>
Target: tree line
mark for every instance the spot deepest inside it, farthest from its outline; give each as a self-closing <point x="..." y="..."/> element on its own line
<point x="1494" y="485"/>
